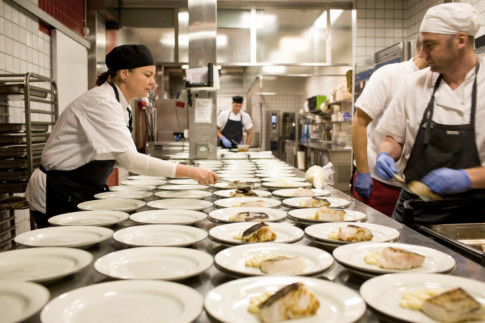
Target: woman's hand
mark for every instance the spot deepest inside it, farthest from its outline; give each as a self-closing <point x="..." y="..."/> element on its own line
<point x="204" y="176"/>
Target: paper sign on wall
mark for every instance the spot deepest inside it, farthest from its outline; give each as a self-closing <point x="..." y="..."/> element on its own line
<point x="203" y="110"/>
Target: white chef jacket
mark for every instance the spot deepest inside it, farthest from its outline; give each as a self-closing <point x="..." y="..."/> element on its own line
<point x="246" y="119"/>
<point x="91" y="128"/>
<point x="402" y="119"/>
<point x="375" y="99"/>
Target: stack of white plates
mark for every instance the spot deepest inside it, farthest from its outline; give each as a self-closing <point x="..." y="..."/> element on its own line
<point x="351" y="256"/>
<point x="320" y="233"/>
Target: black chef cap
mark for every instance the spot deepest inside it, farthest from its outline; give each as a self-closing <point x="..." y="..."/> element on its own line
<point x="237" y="99"/>
<point x="129" y="56"/>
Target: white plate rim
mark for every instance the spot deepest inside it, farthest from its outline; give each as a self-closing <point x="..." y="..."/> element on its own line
<point x="297" y="215"/>
<point x="136" y="195"/>
<point x="204" y="261"/>
<point x="215" y="233"/>
<point x="196" y="204"/>
<point x="343" y="254"/>
<point x="215" y="215"/>
<point x="197" y="216"/>
<point x="232" y="291"/>
<point x="280" y="193"/>
<point x="222" y="193"/>
<point x="36" y="296"/>
<point x="118" y="188"/>
<point x="323" y="258"/>
<point x="186" y="295"/>
<point x="199" y="235"/>
<point x="61" y="219"/>
<point x="183" y="187"/>
<point x="312" y="231"/>
<point x="402" y="282"/>
<point x="135" y="204"/>
<point x="104" y="234"/>
<point x="185" y="194"/>
<point x="230" y="201"/>
<point x="138" y="182"/>
<point x="82" y="257"/>
<point x="278" y="185"/>
<point x="339" y="201"/>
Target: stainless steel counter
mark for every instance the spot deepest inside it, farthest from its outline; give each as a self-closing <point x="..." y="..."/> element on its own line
<point x="213" y="277"/>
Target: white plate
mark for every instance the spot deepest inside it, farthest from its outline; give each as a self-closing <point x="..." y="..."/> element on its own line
<point x="229" y="302"/>
<point x="320" y="232"/>
<point x="124" y="205"/>
<point x="137" y="195"/>
<point x="94" y="218"/>
<point x="66" y="236"/>
<point x="225" y="233"/>
<point x="144" y="177"/>
<point x="280" y="184"/>
<point x="226" y="185"/>
<point x="160" y="235"/>
<point x="132" y="188"/>
<point x="290" y="192"/>
<point x="227" y="193"/>
<point x="282" y="177"/>
<point x="183" y="181"/>
<point x="125" y="302"/>
<point x="223" y="215"/>
<point x="168" y="216"/>
<point x="21" y="300"/>
<point x="300" y="215"/>
<point x="232" y="259"/>
<point x="352" y="255"/>
<point x="154" y="263"/>
<point x="241" y="179"/>
<point x="384" y="292"/>
<point x="42" y="264"/>
<point x="180" y="204"/>
<point x="297" y="202"/>
<point x="190" y="194"/>
<point x="181" y="187"/>
<point x="138" y="182"/>
<point x="236" y="201"/>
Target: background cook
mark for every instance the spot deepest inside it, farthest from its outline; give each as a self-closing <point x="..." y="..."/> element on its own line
<point x="231" y="122"/>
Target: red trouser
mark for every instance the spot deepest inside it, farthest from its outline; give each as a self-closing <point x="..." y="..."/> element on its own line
<point x="383" y="197"/>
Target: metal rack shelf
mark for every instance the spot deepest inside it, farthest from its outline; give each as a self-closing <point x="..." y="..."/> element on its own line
<point x="21" y="143"/>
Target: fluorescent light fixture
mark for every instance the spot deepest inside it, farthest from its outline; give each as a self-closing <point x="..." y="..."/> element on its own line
<point x="185" y="66"/>
<point x="168" y="39"/>
<point x="183" y="17"/>
<point x="274" y="69"/>
<point x="221" y="40"/>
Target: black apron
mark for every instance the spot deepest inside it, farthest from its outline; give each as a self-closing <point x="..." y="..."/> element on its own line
<point x="233" y="130"/>
<point x="66" y="189"/>
<point x="452" y="146"/>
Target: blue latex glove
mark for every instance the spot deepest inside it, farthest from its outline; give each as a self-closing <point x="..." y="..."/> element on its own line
<point x="363" y="184"/>
<point x="226" y="142"/>
<point x="444" y="181"/>
<point x="385" y="166"/>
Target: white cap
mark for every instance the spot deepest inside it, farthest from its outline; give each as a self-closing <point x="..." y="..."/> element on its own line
<point x="451" y="18"/>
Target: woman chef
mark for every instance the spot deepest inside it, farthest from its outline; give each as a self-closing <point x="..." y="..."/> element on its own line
<point x="92" y="134"/>
<point x="434" y="124"/>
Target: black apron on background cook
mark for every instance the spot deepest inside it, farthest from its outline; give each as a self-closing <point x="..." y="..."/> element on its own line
<point x="66" y="189"/>
<point x="438" y="145"/>
<point x="233" y="130"/>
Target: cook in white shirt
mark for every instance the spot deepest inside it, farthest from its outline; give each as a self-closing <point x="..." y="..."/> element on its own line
<point x="92" y="134"/>
<point x="434" y="124"/>
<point x="231" y="122"/>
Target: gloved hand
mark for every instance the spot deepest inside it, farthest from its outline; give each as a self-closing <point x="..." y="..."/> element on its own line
<point x="226" y="142"/>
<point x="444" y="181"/>
<point x="385" y="166"/>
<point x="363" y="184"/>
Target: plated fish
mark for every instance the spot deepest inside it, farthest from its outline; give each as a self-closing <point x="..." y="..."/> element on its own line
<point x="292" y="301"/>
<point x="454" y="305"/>
<point x="311" y="202"/>
<point x="301" y="191"/>
<point x="258" y="203"/>
<point x="259" y="232"/>
<point x="242" y="193"/>
<point x="327" y="214"/>
<point x="249" y="217"/>
<point x="354" y="233"/>
<point x="283" y="265"/>
<point x="396" y="258"/>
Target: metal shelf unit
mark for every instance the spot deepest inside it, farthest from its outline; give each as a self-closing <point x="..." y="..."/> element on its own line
<point x="21" y="143"/>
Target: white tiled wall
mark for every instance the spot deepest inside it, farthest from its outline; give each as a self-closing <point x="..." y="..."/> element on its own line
<point x="23" y="48"/>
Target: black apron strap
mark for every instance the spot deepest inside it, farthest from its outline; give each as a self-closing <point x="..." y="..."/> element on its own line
<point x="130" y="118"/>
